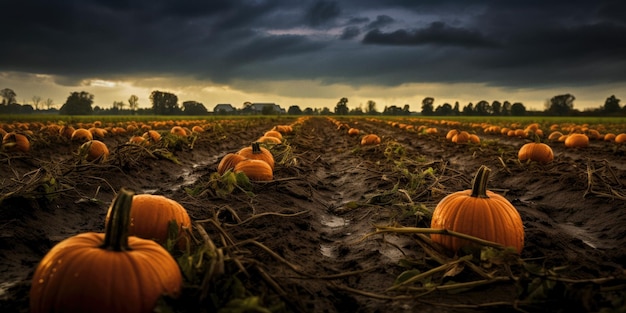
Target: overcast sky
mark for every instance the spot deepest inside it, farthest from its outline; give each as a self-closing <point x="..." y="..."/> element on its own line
<point x="312" y="53"/>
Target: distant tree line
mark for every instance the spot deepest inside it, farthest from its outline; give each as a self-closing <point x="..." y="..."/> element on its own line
<point x="166" y="103"/>
<point x="560" y="105"/>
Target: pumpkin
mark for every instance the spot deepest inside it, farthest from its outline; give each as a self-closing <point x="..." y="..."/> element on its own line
<point x="451" y="133"/>
<point x="480" y="213"/>
<point x="370" y="139"/>
<point x="536" y="151"/>
<point x="256" y="152"/>
<point x="98" y="133"/>
<point x="473" y="138"/>
<point x="150" y="216"/>
<point x="461" y="137"/>
<point x="94" y="150"/>
<point x="82" y="135"/>
<point x="284" y="129"/>
<point x="110" y="272"/>
<point x="609" y="137"/>
<point x="138" y="140"/>
<point x="555" y="135"/>
<point x="577" y="141"/>
<point x="66" y="131"/>
<point x="152" y="136"/>
<point x="256" y="170"/>
<point x="353" y="131"/>
<point x="269" y="140"/>
<point x="273" y="133"/>
<point x="178" y="131"/>
<point x="197" y="129"/>
<point x="15" y="142"/>
<point x="620" y="138"/>
<point x="228" y="162"/>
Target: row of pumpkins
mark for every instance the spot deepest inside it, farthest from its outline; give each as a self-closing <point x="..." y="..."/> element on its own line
<point x="81" y="273"/>
<point x="366" y="140"/>
<point x="255" y="161"/>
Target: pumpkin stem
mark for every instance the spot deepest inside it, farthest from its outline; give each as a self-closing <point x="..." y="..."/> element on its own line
<point x="256" y="148"/>
<point x="116" y="233"/>
<point x="479" y="184"/>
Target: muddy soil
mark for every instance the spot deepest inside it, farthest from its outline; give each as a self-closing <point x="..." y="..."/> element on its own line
<point x="302" y="240"/>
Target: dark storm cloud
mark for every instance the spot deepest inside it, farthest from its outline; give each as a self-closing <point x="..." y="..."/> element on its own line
<point x="380" y="22"/>
<point x="322" y="12"/>
<point x="437" y="33"/>
<point x="506" y="43"/>
<point x="350" y="32"/>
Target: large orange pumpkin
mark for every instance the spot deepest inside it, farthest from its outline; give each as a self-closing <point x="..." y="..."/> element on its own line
<point x="536" y="151"/>
<point x="479" y="213"/>
<point x="110" y="272"/>
<point x="150" y="217"/>
<point x="256" y="152"/>
<point x="256" y="170"/>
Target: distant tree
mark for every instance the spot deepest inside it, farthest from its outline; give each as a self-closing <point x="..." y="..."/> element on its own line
<point x="118" y="105"/>
<point x="268" y="109"/>
<point x="8" y="96"/>
<point x="393" y="110"/>
<point x="133" y="102"/>
<point x="482" y="108"/>
<point x="294" y="110"/>
<point x="427" y="106"/>
<point x="561" y="105"/>
<point x="325" y="111"/>
<point x="308" y="111"/>
<point x="36" y="102"/>
<point x="356" y="111"/>
<point x="468" y="109"/>
<point x="49" y="103"/>
<point x="444" y="110"/>
<point x="496" y="107"/>
<point x="194" y="108"/>
<point x="371" y="107"/>
<point x="518" y="109"/>
<point x="611" y="105"/>
<point x="455" y="109"/>
<point x="342" y="107"/>
<point x="164" y="103"/>
<point x="406" y="109"/>
<point x="78" y="103"/>
<point x="506" y="108"/>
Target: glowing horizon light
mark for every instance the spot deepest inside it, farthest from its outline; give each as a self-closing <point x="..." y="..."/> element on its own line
<point x="102" y="83"/>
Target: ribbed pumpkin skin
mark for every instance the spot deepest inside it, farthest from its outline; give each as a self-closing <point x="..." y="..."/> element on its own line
<point x="538" y="152"/>
<point x="256" y="152"/>
<point x="479" y="213"/>
<point x="256" y="170"/>
<point x="151" y="214"/>
<point x="228" y="162"/>
<point x="78" y="276"/>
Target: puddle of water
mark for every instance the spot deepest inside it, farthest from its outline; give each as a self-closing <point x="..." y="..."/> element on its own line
<point x="333" y="221"/>
<point x="581" y="234"/>
<point x="327" y="250"/>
